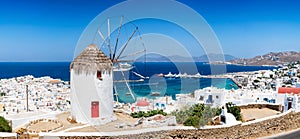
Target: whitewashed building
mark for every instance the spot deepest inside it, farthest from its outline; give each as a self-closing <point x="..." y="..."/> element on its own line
<point x="210" y="95"/>
<point x="92" y="87"/>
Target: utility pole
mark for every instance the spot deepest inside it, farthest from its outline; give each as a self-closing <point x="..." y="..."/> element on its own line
<point x="27" y="98"/>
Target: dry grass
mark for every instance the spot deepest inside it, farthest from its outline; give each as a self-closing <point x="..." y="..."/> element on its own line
<point x="109" y="127"/>
<point x="256" y="113"/>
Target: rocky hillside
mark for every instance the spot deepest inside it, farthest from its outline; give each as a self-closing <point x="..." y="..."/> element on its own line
<point x="272" y="58"/>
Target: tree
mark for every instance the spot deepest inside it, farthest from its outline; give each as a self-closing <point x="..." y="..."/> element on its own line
<point x="4" y="125"/>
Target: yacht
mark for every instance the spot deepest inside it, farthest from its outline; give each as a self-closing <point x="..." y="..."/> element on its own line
<point x="198" y="75"/>
<point x="123" y="67"/>
<point x="169" y="75"/>
<point x="155" y="94"/>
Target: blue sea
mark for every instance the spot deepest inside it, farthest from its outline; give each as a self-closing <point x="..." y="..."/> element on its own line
<point x="165" y="86"/>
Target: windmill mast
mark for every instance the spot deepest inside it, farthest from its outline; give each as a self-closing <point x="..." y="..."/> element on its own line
<point x="27" y="98"/>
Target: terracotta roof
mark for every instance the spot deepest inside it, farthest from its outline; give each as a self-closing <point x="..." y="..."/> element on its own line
<point x="284" y="90"/>
<point x="55" y="81"/>
<point x="90" y="60"/>
<point x="142" y="103"/>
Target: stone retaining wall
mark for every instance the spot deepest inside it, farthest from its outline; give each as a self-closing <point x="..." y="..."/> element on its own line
<point x="268" y="127"/>
<point x="286" y="122"/>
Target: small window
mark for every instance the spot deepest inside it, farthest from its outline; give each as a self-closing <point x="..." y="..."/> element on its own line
<point x="201" y="98"/>
<point x="99" y="75"/>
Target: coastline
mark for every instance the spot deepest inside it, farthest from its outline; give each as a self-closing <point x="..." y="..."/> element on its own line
<point x="227" y="76"/>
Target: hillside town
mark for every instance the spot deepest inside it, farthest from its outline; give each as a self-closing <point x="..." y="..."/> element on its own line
<point x="38" y="106"/>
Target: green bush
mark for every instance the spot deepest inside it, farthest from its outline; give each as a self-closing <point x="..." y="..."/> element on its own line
<point x="147" y="114"/>
<point x="197" y="109"/>
<point x="235" y="110"/>
<point x="192" y="121"/>
<point x="4" y="126"/>
<point x="183" y="114"/>
<point x="197" y="115"/>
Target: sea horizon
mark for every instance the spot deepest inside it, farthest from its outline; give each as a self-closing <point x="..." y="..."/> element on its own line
<point x="230" y="68"/>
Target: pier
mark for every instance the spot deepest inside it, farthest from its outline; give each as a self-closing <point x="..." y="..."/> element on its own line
<point x="227" y="77"/>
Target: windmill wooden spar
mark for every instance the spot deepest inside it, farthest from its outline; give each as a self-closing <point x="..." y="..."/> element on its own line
<point x="116" y="53"/>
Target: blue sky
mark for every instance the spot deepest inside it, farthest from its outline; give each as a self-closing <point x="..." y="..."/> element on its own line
<point x="48" y="30"/>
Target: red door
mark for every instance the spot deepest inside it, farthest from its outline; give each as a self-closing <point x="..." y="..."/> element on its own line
<point x="95" y="109"/>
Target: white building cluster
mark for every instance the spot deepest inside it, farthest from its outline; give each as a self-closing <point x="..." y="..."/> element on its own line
<point x="44" y="94"/>
<point x="279" y="86"/>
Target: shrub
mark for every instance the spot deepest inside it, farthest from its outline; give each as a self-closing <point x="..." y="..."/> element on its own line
<point x="235" y="110"/>
<point x="182" y="114"/>
<point x="197" y="109"/>
<point x="192" y="121"/>
<point x="4" y="126"/>
<point x="147" y="114"/>
<point x="197" y="115"/>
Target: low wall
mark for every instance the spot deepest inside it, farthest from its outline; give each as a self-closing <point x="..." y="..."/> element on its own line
<point x="275" y="107"/>
<point x="254" y="129"/>
<point x="21" y="121"/>
<point x="276" y="125"/>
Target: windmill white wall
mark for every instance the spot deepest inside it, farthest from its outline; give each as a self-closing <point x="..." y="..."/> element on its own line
<point x="86" y="87"/>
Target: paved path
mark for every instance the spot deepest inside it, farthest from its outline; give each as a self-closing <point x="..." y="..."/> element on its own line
<point x="73" y="128"/>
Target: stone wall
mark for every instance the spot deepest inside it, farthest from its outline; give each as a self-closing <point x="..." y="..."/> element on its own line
<point x="268" y="127"/>
<point x="270" y="106"/>
<point x="253" y="129"/>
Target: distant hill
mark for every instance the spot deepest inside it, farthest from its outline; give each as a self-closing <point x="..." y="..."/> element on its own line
<point x="214" y="58"/>
<point x="176" y="58"/>
<point x="272" y="58"/>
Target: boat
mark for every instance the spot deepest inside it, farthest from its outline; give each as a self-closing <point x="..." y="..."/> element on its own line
<point x="169" y="75"/>
<point x="155" y="94"/>
<point x="184" y="75"/>
<point x="198" y="75"/>
<point x="189" y="76"/>
<point x="178" y="75"/>
<point x="123" y="67"/>
<point x="160" y="75"/>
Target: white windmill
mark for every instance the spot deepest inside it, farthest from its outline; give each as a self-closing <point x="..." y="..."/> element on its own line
<point x="92" y="78"/>
<point x="91" y="87"/>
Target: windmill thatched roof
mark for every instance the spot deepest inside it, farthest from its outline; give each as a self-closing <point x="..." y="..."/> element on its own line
<point x="90" y="60"/>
